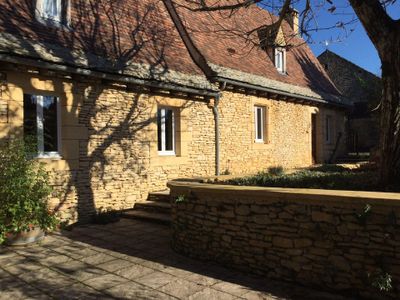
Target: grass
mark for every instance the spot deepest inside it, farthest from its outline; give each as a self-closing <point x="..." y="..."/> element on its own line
<point x="333" y="177"/>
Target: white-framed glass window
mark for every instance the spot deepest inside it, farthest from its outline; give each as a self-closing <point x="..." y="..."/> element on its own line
<point x="42" y="123"/>
<point x="280" y="54"/>
<point x="166" y="130"/>
<point x="50" y="9"/>
<point x="328" y="129"/>
<point x="259" y="122"/>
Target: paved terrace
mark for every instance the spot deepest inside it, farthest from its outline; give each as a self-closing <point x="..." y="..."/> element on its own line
<point x="127" y="260"/>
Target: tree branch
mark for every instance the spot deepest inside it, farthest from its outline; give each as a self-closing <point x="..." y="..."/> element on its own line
<point x="377" y="23"/>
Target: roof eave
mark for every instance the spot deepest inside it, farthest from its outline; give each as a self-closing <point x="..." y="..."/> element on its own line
<point x="273" y="91"/>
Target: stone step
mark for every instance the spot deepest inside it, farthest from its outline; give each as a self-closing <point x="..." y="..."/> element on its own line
<point x="147" y="216"/>
<point x="154" y="206"/>
<point x="160" y="196"/>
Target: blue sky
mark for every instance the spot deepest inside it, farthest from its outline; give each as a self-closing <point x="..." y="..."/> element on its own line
<point x="354" y="46"/>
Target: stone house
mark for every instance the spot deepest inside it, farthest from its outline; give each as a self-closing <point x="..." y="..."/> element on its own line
<point x="362" y="90"/>
<point x="123" y="96"/>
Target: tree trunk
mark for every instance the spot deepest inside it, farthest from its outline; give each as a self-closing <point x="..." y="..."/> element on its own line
<point x="390" y="117"/>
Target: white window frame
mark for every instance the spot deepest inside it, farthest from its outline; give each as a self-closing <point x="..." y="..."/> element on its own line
<point x="280" y="59"/>
<point x="39" y="128"/>
<point x="263" y="123"/>
<point x="163" y="132"/>
<point x="328" y="129"/>
<point x="58" y="21"/>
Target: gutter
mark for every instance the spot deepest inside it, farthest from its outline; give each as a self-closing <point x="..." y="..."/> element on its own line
<point x="278" y="92"/>
<point x="217" y="131"/>
<point x="41" y="64"/>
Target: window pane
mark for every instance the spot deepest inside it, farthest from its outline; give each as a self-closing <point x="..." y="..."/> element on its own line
<point x="259" y="123"/>
<point x="50" y="8"/>
<point x="30" y="125"/>
<point x="169" y="130"/>
<point x="50" y="134"/>
<point x="159" y="130"/>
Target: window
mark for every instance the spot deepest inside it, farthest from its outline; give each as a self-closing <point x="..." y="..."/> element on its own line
<point x="52" y="11"/>
<point x="41" y="121"/>
<point x="328" y="129"/>
<point x="166" y="131"/>
<point x="259" y="121"/>
<point x="280" y="59"/>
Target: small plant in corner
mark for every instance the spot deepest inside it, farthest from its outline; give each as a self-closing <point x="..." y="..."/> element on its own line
<point x="362" y="217"/>
<point x="24" y="213"/>
<point x="180" y="199"/>
<point x="381" y="280"/>
<point x="275" y="171"/>
<point x="226" y="172"/>
<point x="106" y="216"/>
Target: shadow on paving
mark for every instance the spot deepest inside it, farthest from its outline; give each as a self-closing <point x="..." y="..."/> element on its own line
<point x="148" y="244"/>
<point x="127" y="260"/>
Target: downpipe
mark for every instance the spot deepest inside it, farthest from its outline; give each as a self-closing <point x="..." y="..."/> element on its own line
<point x="217" y="131"/>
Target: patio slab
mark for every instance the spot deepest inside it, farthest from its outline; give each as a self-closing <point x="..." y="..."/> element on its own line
<point x="90" y="262"/>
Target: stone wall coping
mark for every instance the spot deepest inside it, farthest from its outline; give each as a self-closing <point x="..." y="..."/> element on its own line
<point x="252" y="193"/>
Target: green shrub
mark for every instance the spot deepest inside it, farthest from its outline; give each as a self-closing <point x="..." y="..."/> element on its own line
<point x="343" y="180"/>
<point x="275" y="171"/>
<point x="180" y="199"/>
<point x="106" y="216"/>
<point x="24" y="191"/>
<point x="381" y="280"/>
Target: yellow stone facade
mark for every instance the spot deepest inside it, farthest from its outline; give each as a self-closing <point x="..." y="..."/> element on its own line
<point x="109" y="154"/>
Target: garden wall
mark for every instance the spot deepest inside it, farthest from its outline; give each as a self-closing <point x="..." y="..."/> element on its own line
<point x="322" y="238"/>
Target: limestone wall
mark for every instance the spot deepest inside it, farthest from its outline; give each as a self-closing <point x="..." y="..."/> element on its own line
<point x="109" y="158"/>
<point x="327" y="239"/>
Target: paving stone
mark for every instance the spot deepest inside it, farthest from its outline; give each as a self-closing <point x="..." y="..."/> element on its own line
<point x="202" y="279"/>
<point x="46" y="279"/>
<point x="55" y="260"/>
<point x="105" y="281"/>
<point x="211" y="294"/>
<point x="115" y="265"/>
<point x="181" y="288"/>
<point x="131" y="290"/>
<point x="27" y="266"/>
<point x="134" y="271"/>
<point x="78" y="291"/>
<point x="97" y="259"/>
<point x="254" y="295"/>
<point x="231" y="288"/>
<point x="79" y="270"/>
<point x="156" y="279"/>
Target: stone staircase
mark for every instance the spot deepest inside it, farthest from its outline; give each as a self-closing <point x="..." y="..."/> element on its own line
<point x="157" y="208"/>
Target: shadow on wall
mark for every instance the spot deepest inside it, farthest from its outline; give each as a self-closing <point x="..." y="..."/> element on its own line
<point x="319" y="81"/>
<point x="98" y="28"/>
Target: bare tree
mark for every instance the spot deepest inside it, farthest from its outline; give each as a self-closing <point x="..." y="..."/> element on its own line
<point x="384" y="33"/>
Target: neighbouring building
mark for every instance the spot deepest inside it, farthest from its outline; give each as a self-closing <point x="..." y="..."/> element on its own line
<point x="362" y="90"/>
<point x="123" y="96"/>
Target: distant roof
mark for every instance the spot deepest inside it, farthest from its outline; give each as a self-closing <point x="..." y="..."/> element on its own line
<point x="355" y="83"/>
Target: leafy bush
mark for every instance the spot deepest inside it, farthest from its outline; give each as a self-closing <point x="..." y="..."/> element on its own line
<point x="106" y="216"/>
<point x="382" y="281"/>
<point x="335" y="180"/>
<point x="24" y="191"/>
<point x="275" y="171"/>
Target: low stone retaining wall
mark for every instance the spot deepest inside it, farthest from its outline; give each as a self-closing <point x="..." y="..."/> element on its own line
<point x="340" y="240"/>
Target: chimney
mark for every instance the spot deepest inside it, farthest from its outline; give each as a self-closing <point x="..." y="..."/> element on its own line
<point x="292" y="17"/>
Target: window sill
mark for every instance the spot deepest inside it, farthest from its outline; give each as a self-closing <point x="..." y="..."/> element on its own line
<point x="53" y="23"/>
<point x="166" y="153"/>
<point x="50" y="156"/>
